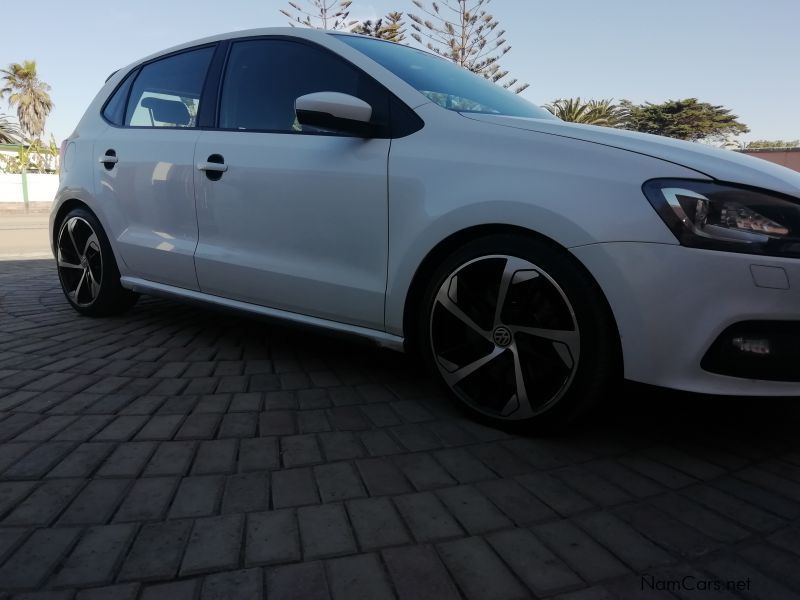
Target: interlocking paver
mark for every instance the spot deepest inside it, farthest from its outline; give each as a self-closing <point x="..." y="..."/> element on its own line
<point x="340" y="445"/>
<point x="96" y="502"/>
<point x="247" y="583"/>
<point x="37" y="557"/>
<point x="259" y="454"/>
<point x="325" y="531"/>
<point x="43" y="505"/>
<point x="382" y="478"/>
<point x="176" y="590"/>
<point x="533" y="562"/>
<point x="358" y="578"/>
<point x="303" y="581"/>
<point x="157" y="551"/>
<point x="38" y="461"/>
<point x="246" y="492"/>
<point x="475" y="513"/>
<point x="426" y="517"/>
<point x="216" y="456"/>
<point x="197" y="496"/>
<point x="272" y="538"/>
<point x="169" y="454"/>
<point x="82" y="461"/>
<point x="294" y="487"/>
<point x="171" y="458"/>
<point x="148" y="499"/>
<point x="338" y="481"/>
<point x="122" y="591"/>
<point x="214" y="545"/>
<point x="479" y="571"/>
<point x="418" y="574"/>
<point x="127" y="460"/>
<point x="94" y="559"/>
<point x="12" y="492"/>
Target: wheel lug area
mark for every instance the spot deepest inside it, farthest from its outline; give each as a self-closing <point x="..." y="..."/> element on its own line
<point x="502" y="336"/>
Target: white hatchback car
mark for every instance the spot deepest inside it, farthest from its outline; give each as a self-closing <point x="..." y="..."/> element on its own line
<point x="366" y="187"/>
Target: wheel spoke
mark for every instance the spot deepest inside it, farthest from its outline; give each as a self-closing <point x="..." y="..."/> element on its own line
<point x="513" y="265"/>
<point x="70" y="228"/>
<point x="65" y="264"/>
<point x="571" y="339"/>
<point x="467" y="370"/>
<point x="453" y="309"/>
<point x="519" y="404"/>
<point x="94" y="287"/>
<point x="92" y="242"/>
<point x="76" y="293"/>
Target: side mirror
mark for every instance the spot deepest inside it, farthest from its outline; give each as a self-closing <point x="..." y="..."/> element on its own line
<point x="336" y="112"/>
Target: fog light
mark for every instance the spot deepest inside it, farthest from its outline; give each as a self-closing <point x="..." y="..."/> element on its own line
<point x="752" y="346"/>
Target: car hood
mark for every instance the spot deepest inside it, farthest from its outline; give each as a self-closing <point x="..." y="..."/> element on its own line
<point x="724" y="165"/>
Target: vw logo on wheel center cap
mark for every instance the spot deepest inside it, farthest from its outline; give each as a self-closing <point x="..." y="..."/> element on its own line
<point x="502" y="336"/>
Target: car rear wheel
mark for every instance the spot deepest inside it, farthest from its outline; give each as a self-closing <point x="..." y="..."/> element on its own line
<point x="519" y="333"/>
<point x="87" y="269"/>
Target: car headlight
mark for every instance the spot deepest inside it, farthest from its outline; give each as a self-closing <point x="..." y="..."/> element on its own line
<point x="723" y="216"/>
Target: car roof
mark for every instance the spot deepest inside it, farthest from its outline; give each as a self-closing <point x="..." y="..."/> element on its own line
<point x="318" y="35"/>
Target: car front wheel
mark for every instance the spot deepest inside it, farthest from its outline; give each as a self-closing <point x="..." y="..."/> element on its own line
<point x="87" y="269"/>
<point x="519" y="333"/>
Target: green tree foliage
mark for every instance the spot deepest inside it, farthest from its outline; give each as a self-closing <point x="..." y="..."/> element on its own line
<point x="391" y="28"/>
<point x="35" y="157"/>
<point x="9" y="131"/>
<point x="589" y="112"/>
<point x="466" y="34"/>
<point x="686" y="119"/>
<point x="773" y="144"/>
<point x="28" y="94"/>
<point x="320" y="14"/>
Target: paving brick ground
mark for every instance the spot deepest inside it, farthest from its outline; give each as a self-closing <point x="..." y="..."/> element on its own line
<point x="179" y="453"/>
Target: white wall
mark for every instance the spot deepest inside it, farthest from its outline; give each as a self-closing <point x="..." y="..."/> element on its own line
<point x="41" y="188"/>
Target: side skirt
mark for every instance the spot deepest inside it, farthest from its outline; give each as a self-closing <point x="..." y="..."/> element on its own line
<point x="381" y="338"/>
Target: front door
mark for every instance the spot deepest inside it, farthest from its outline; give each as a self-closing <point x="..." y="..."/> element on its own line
<point x="298" y="219"/>
<point x="145" y="170"/>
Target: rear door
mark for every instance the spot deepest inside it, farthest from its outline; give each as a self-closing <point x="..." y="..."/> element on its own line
<point x="298" y="221"/>
<point x="145" y="167"/>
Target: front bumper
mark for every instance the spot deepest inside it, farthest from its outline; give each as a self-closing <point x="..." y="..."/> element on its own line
<point x="672" y="304"/>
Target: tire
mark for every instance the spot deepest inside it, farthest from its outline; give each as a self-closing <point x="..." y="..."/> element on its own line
<point x="87" y="268"/>
<point x="553" y="339"/>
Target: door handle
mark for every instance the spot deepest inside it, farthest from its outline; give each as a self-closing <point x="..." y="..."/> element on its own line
<point x="212" y="167"/>
<point x="109" y="159"/>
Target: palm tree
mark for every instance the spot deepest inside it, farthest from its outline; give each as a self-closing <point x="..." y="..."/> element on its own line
<point x="9" y="131"/>
<point x="28" y="94"/>
<point x="591" y="112"/>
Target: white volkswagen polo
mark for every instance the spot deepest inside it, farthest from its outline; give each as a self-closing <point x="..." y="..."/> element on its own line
<point x="365" y="187"/>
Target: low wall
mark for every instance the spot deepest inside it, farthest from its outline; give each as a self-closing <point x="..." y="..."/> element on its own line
<point x="41" y="188"/>
<point x="787" y="157"/>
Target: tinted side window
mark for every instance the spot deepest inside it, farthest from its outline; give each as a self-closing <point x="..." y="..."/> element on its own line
<point x="263" y="78"/>
<point x="114" y="112"/>
<point x="166" y="93"/>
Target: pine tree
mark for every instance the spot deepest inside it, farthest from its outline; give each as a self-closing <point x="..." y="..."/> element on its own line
<point x="467" y="35"/>
<point x="320" y="14"/>
<point x="391" y="28"/>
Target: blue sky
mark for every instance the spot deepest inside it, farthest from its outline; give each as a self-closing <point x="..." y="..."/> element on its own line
<point x="739" y="53"/>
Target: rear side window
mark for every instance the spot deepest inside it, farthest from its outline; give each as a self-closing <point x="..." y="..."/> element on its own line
<point x="263" y="78"/>
<point x="114" y="112"/>
<point x="166" y="93"/>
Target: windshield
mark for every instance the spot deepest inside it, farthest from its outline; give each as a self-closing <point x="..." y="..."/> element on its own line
<point x="444" y="82"/>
